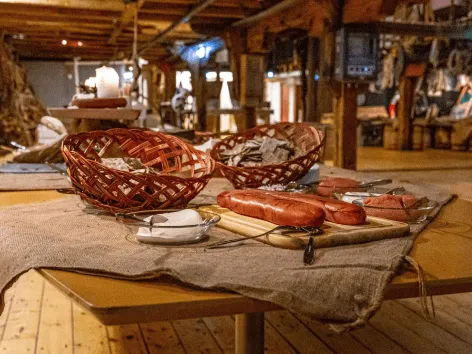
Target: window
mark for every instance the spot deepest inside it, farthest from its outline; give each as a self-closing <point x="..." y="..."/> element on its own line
<point x="184" y="78"/>
<point x="211" y="76"/>
<point x="226" y="76"/>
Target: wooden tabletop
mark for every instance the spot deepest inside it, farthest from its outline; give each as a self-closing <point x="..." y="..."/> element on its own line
<point x="95" y="113"/>
<point x="443" y="250"/>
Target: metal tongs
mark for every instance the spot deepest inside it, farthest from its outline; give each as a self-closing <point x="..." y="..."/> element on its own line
<point x="295" y="187"/>
<point x="376" y="182"/>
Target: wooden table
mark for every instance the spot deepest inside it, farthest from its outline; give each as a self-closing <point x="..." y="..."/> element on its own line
<point x="88" y="119"/>
<point x="443" y="250"/>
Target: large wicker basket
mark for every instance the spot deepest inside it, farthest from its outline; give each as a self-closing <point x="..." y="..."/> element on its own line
<point x="184" y="171"/>
<point x="307" y="138"/>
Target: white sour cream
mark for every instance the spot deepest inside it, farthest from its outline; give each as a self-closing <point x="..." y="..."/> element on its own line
<point x="179" y="218"/>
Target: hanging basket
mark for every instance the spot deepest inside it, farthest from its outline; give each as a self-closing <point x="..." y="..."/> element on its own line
<point x="183" y="170"/>
<point x="307" y="138"/>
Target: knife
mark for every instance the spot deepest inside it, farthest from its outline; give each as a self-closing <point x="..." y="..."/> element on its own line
<point x="309" y="254"/>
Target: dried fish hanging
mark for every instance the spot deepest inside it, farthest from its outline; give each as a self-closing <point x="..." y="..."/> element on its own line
<point x="21" y="111"/>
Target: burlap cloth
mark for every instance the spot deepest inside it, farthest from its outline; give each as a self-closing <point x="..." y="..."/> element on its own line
<point x="32" y="181"/>
<point x="345" y="285"/>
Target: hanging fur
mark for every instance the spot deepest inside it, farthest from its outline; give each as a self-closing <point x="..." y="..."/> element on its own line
<point x="20" y="109"/>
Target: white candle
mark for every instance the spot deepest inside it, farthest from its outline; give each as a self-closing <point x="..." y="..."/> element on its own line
<point x="107" y="82"/>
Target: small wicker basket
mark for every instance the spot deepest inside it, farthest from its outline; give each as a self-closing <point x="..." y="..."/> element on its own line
<point x="184" y="171"/>
<point x="309" y="139"/>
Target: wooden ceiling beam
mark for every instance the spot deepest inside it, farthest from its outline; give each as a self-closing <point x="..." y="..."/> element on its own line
<point x="57" y="45"/>
<point x="277" y="9"/>
<point x="59" y="12"/>
<point x="310" y="16"/>
<point x="59" y="34"/>
<point x="149" y="17"/>
<point x="108" y="5"/>
<point x="210" y="12"/>
<point x="40" y="19"/>
<point x="127" y="17"/>
<point x="194" y="11"/>
<point x="80" y="26"/>
<point x="249" y="4"/>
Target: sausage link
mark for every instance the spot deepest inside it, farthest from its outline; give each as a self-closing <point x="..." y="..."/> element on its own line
<point x="279" y="211"/>
<point x="336" y="211"/>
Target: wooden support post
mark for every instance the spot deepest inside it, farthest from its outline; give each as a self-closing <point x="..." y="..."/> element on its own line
<point x="251" y="86"/>
<point x="324" y="95"/>
<point x="170" y="83"/>
<point x="76" y="75"/>
<point x="198" y="82"/>
<point x="310" y="99"/>
<point x="405" y="107"/>
<point x="346" y="126"/>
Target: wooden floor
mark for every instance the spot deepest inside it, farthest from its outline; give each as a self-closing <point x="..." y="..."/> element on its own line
<point x="449" y="169"/>
<point x="40" y="319"/>
<point x="380" y="159"/>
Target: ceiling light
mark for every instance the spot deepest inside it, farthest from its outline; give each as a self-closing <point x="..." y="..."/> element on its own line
<point x="201" y="52"/>
<point x="80" y="44"/>
<point x="64" y="42"/>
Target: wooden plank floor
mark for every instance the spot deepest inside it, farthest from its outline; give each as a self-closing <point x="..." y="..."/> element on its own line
<point x="39" y="319"/>
<point x="380" y="159"/>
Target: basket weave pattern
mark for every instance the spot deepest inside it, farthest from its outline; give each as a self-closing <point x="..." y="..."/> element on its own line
<point x="184" y="171"/>
<point x="307" y="138"/>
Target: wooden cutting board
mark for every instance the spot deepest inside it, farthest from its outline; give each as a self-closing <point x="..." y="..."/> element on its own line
<point x="334" y="234"/>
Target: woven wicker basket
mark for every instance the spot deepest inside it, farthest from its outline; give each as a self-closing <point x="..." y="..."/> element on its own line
<point x="121" y="191"/>
<point x="307" y="138"/>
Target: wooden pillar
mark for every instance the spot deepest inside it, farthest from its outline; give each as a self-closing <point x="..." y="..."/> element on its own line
<point x="405" y="110"/>
<point x="251" y="85"/>
<point x="310" y="99"/>
<point x="324" y="97"/>
<point x="236" y="43"/>
<point x="170" y="83"/>
<point x="155" y="94"/>
<point x="198" y="85"/>
<point x="346" y="126"/>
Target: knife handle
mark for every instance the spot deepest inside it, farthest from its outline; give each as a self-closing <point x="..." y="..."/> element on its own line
<point x="309" y="254"/>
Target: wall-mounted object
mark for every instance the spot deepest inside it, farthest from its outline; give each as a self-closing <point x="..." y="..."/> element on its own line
<point x="356" y="53"/>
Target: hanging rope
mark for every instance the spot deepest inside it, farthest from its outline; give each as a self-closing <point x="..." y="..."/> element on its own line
<point x="135" y="58"/>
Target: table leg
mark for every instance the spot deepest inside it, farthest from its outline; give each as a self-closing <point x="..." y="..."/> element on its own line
<point x="250" y="333"/>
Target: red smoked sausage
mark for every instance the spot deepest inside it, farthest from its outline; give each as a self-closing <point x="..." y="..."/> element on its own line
<point x="392" y="207"/>
<point x="279" y="211"/>
<point x="336" y="211"/>
<point x="328" y="185"/>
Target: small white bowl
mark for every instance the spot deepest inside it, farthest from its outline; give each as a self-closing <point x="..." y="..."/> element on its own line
<point x="168" y="235"/>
